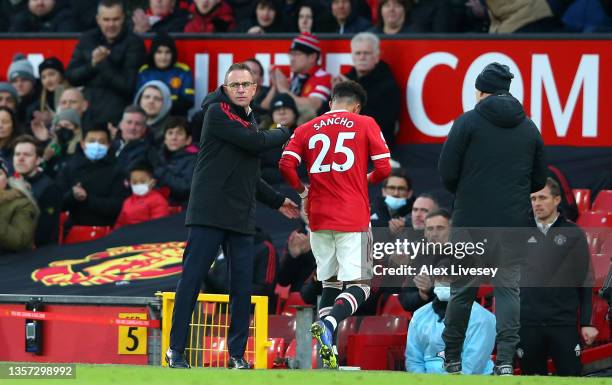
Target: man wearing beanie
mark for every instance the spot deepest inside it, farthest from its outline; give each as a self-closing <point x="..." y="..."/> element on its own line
<point x="310" y="86"/>
<point x="492" y="161"/>
<point x="8" y="96"/>
<point x="21" y="76"/>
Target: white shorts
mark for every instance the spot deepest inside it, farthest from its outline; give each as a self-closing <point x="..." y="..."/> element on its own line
<point x="343" y="254"/>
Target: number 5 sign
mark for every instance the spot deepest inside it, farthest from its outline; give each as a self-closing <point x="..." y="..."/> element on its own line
<point x="132" y="339"/>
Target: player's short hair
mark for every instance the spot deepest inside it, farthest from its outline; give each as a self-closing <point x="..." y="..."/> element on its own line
<point x="553" y="186"/>
<point x="110" y="4"/>
<point x="349" y="91"/>
<point x="28" y="139"/>
<point x="439" y="213"/>
<point x="177" y="121"/>
<point x="239" y="67"/>
<point x="399" y="173"/>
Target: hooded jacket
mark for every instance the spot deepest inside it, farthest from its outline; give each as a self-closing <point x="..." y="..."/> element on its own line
<point x="18" y="217"/>
<point x="156" y="125"/>
<point x="492" y="160"/>
<point x="226" y="180"/>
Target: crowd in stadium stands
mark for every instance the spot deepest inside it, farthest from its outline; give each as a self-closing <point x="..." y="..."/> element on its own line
<point x="109" y="139"/>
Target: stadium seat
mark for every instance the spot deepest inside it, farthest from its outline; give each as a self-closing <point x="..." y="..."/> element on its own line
<point x="78" y="234"/>
<point x="606" y="246"/>
<point x="62" y="223"/>
<point x="376" y="351"/>
<point x="603" y="201"/>
<point x="594" y="241"/>
<point x="600" y="319"/>
<point x="601" y="266"/>
<point x="214" y="354"/>
<point x="292" y="352"/>
<point x="282" y="293"/>
<point x="583" y="199"/>
<point x="595" y="220"/>
<point x="276" y="352"/>
<point x="294" y="299"/>
<point x="281" y="326"/>
<point x="346" y="328"/>
<point x="383" y="324"/>
<point x="394" y="307"/>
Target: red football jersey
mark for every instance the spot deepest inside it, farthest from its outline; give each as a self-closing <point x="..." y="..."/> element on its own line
<point x="335" y="148"/>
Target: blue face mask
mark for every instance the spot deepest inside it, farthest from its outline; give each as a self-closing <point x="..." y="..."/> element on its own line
<point x="95" y="151"/>
<point x="442" y="292"/>
<point x="394" y="203"/>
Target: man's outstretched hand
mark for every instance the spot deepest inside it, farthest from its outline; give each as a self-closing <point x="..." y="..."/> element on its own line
<point x="289" y="209"/>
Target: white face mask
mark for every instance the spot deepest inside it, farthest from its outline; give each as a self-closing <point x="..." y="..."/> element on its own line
<point x="140" y="189"/>
<point x="443" y="293"/>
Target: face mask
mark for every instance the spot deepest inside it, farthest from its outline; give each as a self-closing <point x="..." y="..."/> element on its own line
<point x="140" y="189"/>
<point x="95" y="151"/>
<point x="394" y="203"/>
<point x="64" y="135"/>
<point x="443" y="293"/>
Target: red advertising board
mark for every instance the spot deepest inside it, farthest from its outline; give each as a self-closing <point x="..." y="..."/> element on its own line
<point x="561" y="82"/>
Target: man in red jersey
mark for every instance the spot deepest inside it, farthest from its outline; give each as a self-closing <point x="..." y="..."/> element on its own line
<point x="335" y="148"/>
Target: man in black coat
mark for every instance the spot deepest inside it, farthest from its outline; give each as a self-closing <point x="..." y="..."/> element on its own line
<point x="492" y="161"/>
<point x="221" y="210"/>
<point x="44" y="17"/>
<point x="556" y="291"/>
<point x="106" y="62"/>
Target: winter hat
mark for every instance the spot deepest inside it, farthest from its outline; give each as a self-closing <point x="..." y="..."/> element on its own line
<point x="68" y="114"/>
<point x="20" y="67"/>
<point x="306" y="43"/>
<point x="284" y="100"/>
<point x="52" y="63"/>
<point x="8" y="87"/>
<point x="494" y="77"/>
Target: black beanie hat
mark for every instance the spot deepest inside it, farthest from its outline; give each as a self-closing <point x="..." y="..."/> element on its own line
<point x="494" y="77"/>
<point x="284" y="100"/>
<point x="53" y="63"/>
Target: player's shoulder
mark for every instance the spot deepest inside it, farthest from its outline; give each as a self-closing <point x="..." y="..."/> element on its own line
<point x="321" y="73"/>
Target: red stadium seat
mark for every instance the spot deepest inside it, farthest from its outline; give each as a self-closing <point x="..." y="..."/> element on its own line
<point x="383" y="324"/>
<point x="600" y="319"/>
<point x="601" y="266"/>
<point x="606" y="247"/>
<point x="294" y="299"/>
<point x="62" y="222"/>
<point x="603" y="201"/>
<point x="78" y="234"/>
<point x="281" y="326"/>
<point x="291" y="352"/>
<point x="345" y="329"/>
<point x="394" y="307"/>
<point x="376" y="351"/>
<point x="594" y="241"/>
<point x="282" y="293"/>
<point x="595" y="220"/>
<point x="276" y="352"/>
<point x="583" y="199"/>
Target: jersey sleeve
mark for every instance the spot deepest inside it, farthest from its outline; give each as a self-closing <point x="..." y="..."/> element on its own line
<point x="378" y="152"/>
<point x="290" y="160"/>
<point x="320" y="87"/>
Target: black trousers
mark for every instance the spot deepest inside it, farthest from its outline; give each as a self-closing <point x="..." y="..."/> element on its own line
<point x="202" y="248"/>
<point x="561" y="343"/>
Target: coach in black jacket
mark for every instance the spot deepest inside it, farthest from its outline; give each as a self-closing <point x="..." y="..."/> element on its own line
<point x="492" y="160"/>
<point x="221" y="209"/>
<point x="556" y="290"/>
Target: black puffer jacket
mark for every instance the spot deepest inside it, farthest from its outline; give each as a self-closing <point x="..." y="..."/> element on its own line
<point x="226" y="179"/>
<point x="493" y="159"/>
<point x="174" y="170"/>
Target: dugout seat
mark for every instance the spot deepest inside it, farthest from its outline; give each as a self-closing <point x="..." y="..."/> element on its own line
<point x="606" y="246"/>
<point x="583" y="199"/>
<point x="78" y="234"/>
<point x="600" y="319"/>
<point x="393" y="306"/>
<point x="345" y="329"/>
<point x="383" y="324"/>
<point x="603" y="201"/>
<point x="281" y="326"/>
<point x="595" y="220"/>
<point x="291" y="352"/>
<point x="594" y="240"/>
<point x="601" y="266"/>
<point x="294" y="299"/>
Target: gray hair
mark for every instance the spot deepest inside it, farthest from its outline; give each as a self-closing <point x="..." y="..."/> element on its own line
<point x="367" y="37"/>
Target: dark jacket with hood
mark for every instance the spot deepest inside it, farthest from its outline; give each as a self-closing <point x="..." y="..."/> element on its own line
<point x="383" y="98"/>
<point x="110" y="84"/>
<point x="174" y="22"/>
<point x="49" y="198"/>
<point x="58" y="20"/>
<point x="555" y="281"/>
<point x="492" y="160"/>
<point x="275" y="27"/>
<point x="354" y="23"/>
<point x="226" y="179"/>
<point x="174" y="170"/>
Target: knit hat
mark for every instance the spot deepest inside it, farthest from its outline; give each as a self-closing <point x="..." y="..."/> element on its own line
<point x="306" y="43"/>
<point x="68" y="114"/>
<point x="284" y="100"/>
<point x="494" y="77"/>
<point x="20" y="67"/>
<point x="53" y="63"/>
<point x="8" y="87"/>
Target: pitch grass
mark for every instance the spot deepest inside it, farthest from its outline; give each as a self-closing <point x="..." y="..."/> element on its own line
<point x="147" y="375"/>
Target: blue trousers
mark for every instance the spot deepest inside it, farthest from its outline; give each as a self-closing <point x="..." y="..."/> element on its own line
<point x="203" y="244"/>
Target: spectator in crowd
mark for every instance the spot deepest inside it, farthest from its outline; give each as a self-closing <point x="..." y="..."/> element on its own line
<point x="432" y="16"/>
<point x="475" y="17"/>
<point x="18" y="213"/>
<point x="376" y="78"/>
<point x="132" y="145"/>
<point x="242" y="8"/>
<point x="209" y="16"/>
<point x="313" y="17"/>
<point x="347" y="19"/>
<point x="106" y="62"/>
<point x="423" y="205"/>
<point x="424" y="346"/>
<point x="419" y="292"/>
<point x="8" y="96"/>
<point x="587" y="16"/>
<point x="265" y="18"/>
<point x="67" y="135"/>
<point x="44" y="16"/>
<point x="21" y="76"/>
<point x="285" y="113"/>
<point x="84" y="14"/>
<point x="8" y="133"/>
<point x="8" y="9"/>
<point x="27" y="158"/>
<point x="556" y="294"/>
<point x="395" y="204"/>
<point x="161" y="16"/>
<point x="145" y="203"/>
<point x="93" y="187"/>
<point x="393" y="17"/>
<point x="73" y="98"/>
<point x="310" y="85"/>
<point x="174" y="162"/>
<point x="156" y="101"/>
<point x="163" y="66"/>
<point x="527" y="16"/>
<point x="262" y="91"/>
<point x="51" y="72"/>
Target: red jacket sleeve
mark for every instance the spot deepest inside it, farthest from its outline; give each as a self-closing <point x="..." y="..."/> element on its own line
<point x="159" y="207"/>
